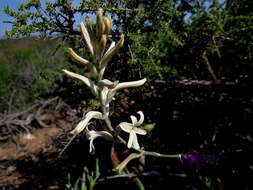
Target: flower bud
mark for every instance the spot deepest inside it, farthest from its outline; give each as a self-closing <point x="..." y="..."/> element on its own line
<point x="100" y="24"/>
<point x="87" y="37"/>
<point x="123" y="164"/>
<point x="108" y="25"/>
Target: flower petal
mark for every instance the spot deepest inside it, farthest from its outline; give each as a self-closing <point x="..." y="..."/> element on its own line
<point x="135" y="143"/>
<point x="127" y="127"/>
<point x="110" y="48"/>
<point x="140" y="131"/>
<point x="111" y="51"/>
<point x="132" y="135"/>
<point x="109" y="54"/>
<point x="81" y="60"/>
<point x="88" y="82"/>
<point x="77" y="57"/>
<point x="141" y="118"/>
<point x="126" y="85"/>
<point x="82" y="124"/>
<point x="95" y="134"/>
<point x="92" y="135"/>
<point x="134" y="120"/>
<point x="92" y="148"/>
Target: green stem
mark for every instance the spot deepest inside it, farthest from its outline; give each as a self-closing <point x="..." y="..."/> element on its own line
<point x="108" y="123"/>
<point x="139" y="184"/>
<point x="149" y="153"/>
<point x="156" y="154"/>
<point x="105" y="114"/>
<point x="121" y="139"/>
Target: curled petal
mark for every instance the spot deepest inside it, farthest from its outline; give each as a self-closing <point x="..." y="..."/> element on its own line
<point x="134" y="120"/>
<point x="141" y="118"/>
<point x="83" y="124"/>
<point x="95" y="134"/>
<point x="127" y="127"/>
<point x="125" y="85"/>
<point x="92" y="148"/>
<point x="88" y="82"/>
<point x="129" y="84"/>
<point x="77" y="57"/>
<point x="87" y="37"/>
<point x="92" y="135"/>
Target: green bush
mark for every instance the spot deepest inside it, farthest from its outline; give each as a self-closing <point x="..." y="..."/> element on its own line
<point x="28" y="71"/>
<point x="45" y="83"/>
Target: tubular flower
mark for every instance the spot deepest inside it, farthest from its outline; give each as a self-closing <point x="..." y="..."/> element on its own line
<point x="110" y="88"/>
<point x="132" y="129"/>
<point x="83" y="61"/>
<point x="84" y="123"/>
<point x="87" y="81"/>
<point x="92" y="135"/>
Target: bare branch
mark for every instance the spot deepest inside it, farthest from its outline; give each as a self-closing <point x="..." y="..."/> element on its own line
<point x="196" y="82"/>
<point x="209" y="67"/>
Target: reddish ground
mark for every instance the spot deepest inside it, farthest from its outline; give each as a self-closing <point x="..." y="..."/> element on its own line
<point x="32" y="161"/>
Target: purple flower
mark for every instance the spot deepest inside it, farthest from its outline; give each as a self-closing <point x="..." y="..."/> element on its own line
<point x="200" y="160"/>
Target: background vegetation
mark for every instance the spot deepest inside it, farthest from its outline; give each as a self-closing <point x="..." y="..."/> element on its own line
<point x="28" y="71"/>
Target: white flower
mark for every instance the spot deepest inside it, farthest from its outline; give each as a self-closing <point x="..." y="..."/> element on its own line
<point x="83" y="124"/>
<point x="92" y="135"/>
<point x="114" y="47"/>
<point x="87" y="81"/>
<point x="83" y="61"/>
<point x="132" y="129"/>
<point x="111" y="88"/>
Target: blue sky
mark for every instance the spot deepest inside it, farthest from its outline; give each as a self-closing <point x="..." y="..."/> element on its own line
<point x="3" y="16"/>
<point x="13" y="4"/>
